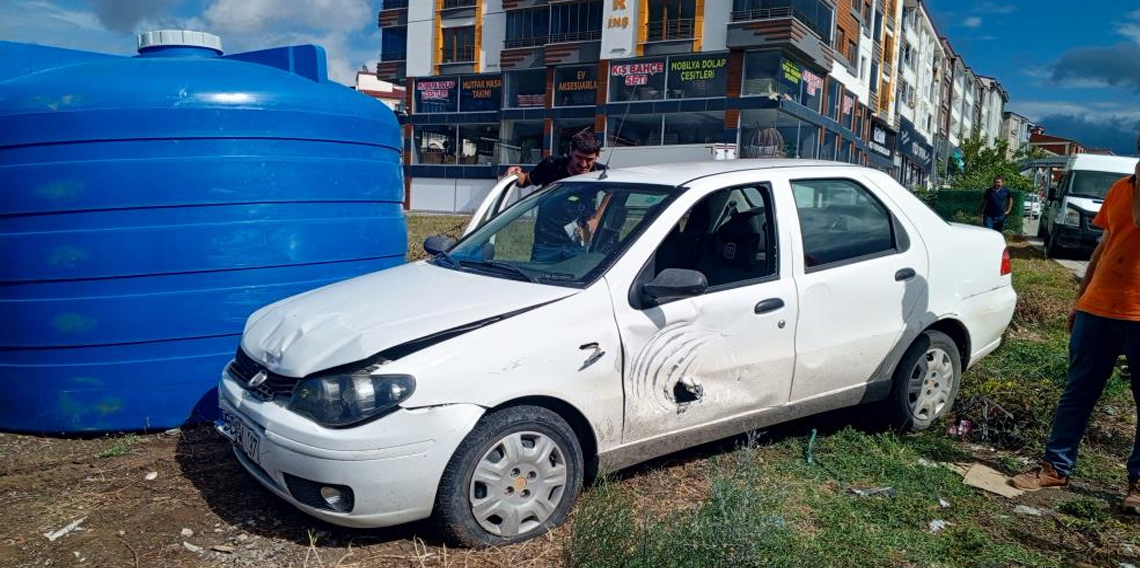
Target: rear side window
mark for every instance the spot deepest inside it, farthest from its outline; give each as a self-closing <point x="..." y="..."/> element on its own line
<point x="840" y="222"/>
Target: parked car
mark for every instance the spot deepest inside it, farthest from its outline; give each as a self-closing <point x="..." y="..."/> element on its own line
<point x="1066" y="218"/>
<point x="1032" y="205"/>
<point x="672" y="306"/>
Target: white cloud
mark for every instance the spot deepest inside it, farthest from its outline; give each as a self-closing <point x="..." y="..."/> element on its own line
<point x="1107" y="113"/>
<point x="1131" y="30"/>
<point x="972" y="22"/>
<point x="244" y="16"/>
<point x="79" y="18"/>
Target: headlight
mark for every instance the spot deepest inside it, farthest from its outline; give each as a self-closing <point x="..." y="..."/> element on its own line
<point x="1071" y="218"/>
<point x="340" y="399"/>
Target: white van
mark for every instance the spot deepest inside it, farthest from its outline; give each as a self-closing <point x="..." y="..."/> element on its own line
<point x="1066" y="218"/>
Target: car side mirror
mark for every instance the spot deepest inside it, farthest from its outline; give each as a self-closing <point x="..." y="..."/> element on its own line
<point x="438" y="244"/>
<point x="676" y="284"/>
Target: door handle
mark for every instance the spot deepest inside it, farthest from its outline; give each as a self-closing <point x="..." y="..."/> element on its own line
<point x="904" y="274"/>
<point x="769" y="305"/>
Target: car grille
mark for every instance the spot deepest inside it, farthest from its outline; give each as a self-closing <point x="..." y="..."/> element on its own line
<point x="243" y="368"/>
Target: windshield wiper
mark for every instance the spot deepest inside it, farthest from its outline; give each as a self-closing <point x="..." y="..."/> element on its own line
<point x="446" y="257"/>
<point x="502" y="267"/>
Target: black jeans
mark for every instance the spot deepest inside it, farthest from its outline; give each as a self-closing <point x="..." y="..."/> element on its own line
<point x="1094" y="347"/>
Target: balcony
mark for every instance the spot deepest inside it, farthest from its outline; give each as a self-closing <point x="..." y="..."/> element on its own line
<point x="393" y="4"/>
<point x="678" y="29"/>
<point x="784" y="27"/>
<point x="449" y="4"/>
<point x="535" y="41"/>
<point x="591" y="35"/>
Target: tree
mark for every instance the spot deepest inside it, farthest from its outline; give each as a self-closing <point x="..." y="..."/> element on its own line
<point x="980" y="165"/>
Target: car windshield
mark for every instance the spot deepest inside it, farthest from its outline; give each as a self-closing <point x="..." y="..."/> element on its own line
<point x="1092" y="184"/>
<point x="566" y="235"/>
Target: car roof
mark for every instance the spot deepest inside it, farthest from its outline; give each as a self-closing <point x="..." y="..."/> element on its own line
<point x="681" y="173"/>
<point x="1101" y="163"/>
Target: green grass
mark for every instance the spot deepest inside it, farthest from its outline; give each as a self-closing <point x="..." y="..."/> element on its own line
<point x="767" y="506"/>
<point x="421" y="226"/>
<point x="120" y="446"/>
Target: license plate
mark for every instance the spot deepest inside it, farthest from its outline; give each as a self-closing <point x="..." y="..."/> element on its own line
<point x="241" y="434"/>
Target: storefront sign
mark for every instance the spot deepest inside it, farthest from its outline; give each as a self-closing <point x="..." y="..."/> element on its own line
<point x="576" y="86"/>
<point x="813" y="83"/>
<point x="791" y="71"/>
<point x="913" y="146"/>
<point x="699" y="76"/>
<point x="436" y="95"/>
<point x="480" y="93"/>
<point x="633" y="74"/>
<point x="882" y="141"/>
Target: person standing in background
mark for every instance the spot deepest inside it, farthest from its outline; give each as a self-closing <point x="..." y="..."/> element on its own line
<point x="997" y="202"/>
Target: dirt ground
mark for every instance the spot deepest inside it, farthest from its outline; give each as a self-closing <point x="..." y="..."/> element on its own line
<point x="129" y="520"/>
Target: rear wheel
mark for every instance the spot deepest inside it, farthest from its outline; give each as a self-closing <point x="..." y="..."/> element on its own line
<point x="1052" y="249"/>
<point x="514" y="477"/>
<point x="926" y="382"/>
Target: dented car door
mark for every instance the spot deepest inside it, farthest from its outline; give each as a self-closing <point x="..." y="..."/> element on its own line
<point x="726" y="352"/>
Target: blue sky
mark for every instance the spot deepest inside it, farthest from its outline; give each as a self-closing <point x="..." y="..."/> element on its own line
<point x="1072" y="66"/>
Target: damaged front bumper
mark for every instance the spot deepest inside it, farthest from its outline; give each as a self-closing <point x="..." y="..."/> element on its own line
<point x="386" y="471"/>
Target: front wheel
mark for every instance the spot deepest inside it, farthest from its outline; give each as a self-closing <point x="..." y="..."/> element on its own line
<point x="926" y="382"/>
<point x="514" y="477"/>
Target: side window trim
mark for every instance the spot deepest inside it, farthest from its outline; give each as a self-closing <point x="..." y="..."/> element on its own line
<point x="895" y="226"/>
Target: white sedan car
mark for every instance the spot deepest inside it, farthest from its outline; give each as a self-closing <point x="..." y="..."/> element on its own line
<point x="603" y="321"/>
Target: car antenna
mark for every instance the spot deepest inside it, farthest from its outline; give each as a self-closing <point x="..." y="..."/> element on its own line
<point x="620" y="124"/>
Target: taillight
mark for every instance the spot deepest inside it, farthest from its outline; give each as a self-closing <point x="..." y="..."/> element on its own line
<point x="1006" y="266"/>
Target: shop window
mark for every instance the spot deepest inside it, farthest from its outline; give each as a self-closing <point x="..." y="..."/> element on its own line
<point x="435" y="144"/>
<point x="576" y="86"/>
<point x="459" y="44"/>
<point x="775" y="134"/>
<point x="830" y="142"/>
<point x="436" y="94"/>
<point x="634" y="130"/>
<point x="694" y="128"/>
<point x="525" y="89"/>
<point x="480" y="93"/>
<point x="637" y="80"/>
<point x="670" y="20"/>
<point x="843" y="150"/>
<point x="564" y="130"/>
<point x="522" y="142"/>
<point x="847" y="109"/>
<point x="478" y="144"/>
<point x="833" y="102"/>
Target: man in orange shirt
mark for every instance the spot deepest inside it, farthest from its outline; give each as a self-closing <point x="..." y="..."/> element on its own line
<point x="1104" y="323"/>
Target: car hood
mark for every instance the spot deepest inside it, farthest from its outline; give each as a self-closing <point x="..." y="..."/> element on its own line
<point x="358" y="318"/>
<point x="1085" y="203"/>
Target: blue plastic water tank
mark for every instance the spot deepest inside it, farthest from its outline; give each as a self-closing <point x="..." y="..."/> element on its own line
<point x="149" y="204"/>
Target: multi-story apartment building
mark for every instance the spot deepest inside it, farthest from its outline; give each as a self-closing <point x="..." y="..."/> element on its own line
<point x="918" y="93"/>
<point x="498" y="82"/>
<point x="1015" y="131"/>
<point x="992" y="101"/>
<point x="493" y="83"/>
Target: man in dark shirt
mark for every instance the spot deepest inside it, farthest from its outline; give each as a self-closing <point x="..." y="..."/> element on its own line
<point x="564" y="226"/>
<point x="996" y="204"/>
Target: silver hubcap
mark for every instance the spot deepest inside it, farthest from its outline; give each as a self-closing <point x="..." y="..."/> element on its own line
<point x="518" y="484"/>
<point x="930" y="385"/>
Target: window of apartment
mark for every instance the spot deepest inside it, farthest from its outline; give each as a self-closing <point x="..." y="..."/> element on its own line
<point x="877" y="29"/>
<point x="576" y="86"/>
<point x="694" y="128"/>
<point x="527" y="28"/>
<point x="525" y="88"/>
<point x="478" y="143"/>
<point x="565" y="129"/>
<point x="634" y="130"/>
<point x="816" y="14"/>
<point x="394" y="44"/>
<point x="841" y="41"/>
<point x="580" y="21"/>
<point x="862" y="68"/>
<point x="637" y="80"/>
<point x="459" y="44"/>
<point x="522" y="142"/>
<point x="435" y="144"/>
<point x="670" y="19"/>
